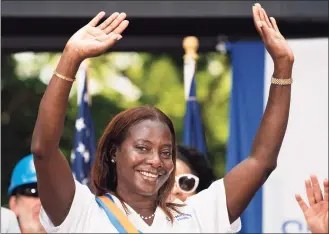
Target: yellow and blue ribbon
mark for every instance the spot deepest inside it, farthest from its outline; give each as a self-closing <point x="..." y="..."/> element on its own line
<point x="115" y="215"/>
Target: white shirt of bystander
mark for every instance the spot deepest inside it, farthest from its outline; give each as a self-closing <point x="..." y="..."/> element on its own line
<point x="9" y="223"/>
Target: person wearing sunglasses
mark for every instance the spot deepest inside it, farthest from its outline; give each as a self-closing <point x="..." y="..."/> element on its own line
<point x="193" y="173"/>
<point x="24" y="199"/>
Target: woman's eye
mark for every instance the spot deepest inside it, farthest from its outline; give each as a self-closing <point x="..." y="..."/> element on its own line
<point x="167" y="154"/>
<point x="141" y="148"/>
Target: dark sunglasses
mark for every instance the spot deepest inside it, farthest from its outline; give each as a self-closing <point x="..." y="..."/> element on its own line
<point x="187" y="183"/>
<point x="30" y="190"/>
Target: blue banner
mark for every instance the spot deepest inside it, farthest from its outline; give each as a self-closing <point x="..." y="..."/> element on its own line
<point x="246" y="110"/>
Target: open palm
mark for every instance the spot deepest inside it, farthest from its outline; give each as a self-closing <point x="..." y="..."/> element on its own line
<point x="316" y="214"/>
<point x="275" y="43"/>
<point x="92" y="40"/>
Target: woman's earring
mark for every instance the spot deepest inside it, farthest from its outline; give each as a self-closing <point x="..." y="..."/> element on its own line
<point x="112" y="160"/>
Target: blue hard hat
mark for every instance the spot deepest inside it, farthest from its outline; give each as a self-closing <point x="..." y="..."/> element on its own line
<point x="23" y="173"/>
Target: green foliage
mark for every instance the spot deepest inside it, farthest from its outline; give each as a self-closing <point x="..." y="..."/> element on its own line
<point x="157" y="77"/>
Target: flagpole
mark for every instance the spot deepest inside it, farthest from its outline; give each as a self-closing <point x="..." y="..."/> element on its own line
<point x="193" y="134"/>
<point x="190" y="45"/>
<point x="83" y="77"/>
<point x="87" y="64"/>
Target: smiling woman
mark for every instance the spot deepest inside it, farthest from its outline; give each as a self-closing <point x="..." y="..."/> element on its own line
<point x="135" y="161"/>
<point x="136" y="154"/>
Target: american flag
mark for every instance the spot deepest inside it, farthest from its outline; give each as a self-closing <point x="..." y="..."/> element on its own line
<point x="83" y="153"/>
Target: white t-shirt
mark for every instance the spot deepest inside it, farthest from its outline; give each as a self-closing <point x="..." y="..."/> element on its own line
<point x="9" y="223"/>
<point x="204" y="212"/>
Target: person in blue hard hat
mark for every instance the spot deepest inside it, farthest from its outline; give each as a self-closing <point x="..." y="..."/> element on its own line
<point x="24" y="198"/>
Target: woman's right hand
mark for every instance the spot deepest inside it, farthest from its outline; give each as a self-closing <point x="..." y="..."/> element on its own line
<point x="92" y="40"/>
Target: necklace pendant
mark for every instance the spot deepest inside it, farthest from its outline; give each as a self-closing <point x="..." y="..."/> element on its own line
<point x="146" y="218"/>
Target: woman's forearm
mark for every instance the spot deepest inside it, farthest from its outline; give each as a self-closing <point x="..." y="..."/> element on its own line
<point x="50" y="122"/>
<point x="268" y="140"/>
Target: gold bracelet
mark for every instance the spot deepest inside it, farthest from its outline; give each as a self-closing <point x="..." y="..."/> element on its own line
<point x="63" y="77"/>
<point x="281" y="81"/>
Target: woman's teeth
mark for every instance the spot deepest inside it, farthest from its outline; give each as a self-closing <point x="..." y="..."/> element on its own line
<point x="148" y="174"/>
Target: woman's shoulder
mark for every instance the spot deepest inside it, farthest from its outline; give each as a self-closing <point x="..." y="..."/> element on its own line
<point x="83" y="204"/>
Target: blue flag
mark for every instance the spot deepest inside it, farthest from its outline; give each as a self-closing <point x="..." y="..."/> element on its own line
<point x="193" y="134"/>
<point x="246" y="110"/>
<point x="83" y="153"/>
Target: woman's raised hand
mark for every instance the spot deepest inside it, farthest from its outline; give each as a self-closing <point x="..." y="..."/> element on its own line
<point x="275" y="43"/>
<point x="93" y="40"/>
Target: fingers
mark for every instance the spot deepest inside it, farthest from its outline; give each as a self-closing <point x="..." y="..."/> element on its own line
<point x="266" y="18"/>
<point x="257" y="20"/>
<point x="316" y="189"/>
<point x="96" y="19"/>
<point x="326" y="189"/>
<point x="112" y="33"/>
<point x="313" y="192"/>
<point x="114" y="37"/>
<point x="261" y="13"/>
<point x="116" y="34"/>
<point x="115" y="23"/>
<point x="301" y="203"/>
<point x="261" y="20"/>
<point x="108" y="21"/>
<point x="265" y="31"/>
<point x="124" y="24"/>
<point x="111" y="39"/>
<point x="309" y="192"/>
<point x="275" y="26"/>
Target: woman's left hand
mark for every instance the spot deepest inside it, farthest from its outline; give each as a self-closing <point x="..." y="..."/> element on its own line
<point x="316" y="214"/>
<point x="275" y="43"/>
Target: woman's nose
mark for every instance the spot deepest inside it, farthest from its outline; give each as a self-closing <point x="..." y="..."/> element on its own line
<point x="155" y="160"/>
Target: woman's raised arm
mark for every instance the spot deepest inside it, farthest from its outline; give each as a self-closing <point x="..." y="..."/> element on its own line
<point x="244" y="180"/>
<point x="55" y="180"/>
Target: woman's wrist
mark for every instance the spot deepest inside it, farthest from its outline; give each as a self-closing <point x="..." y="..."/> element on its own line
<point x="283" y="69"/>
<point x="69" y="63"/>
